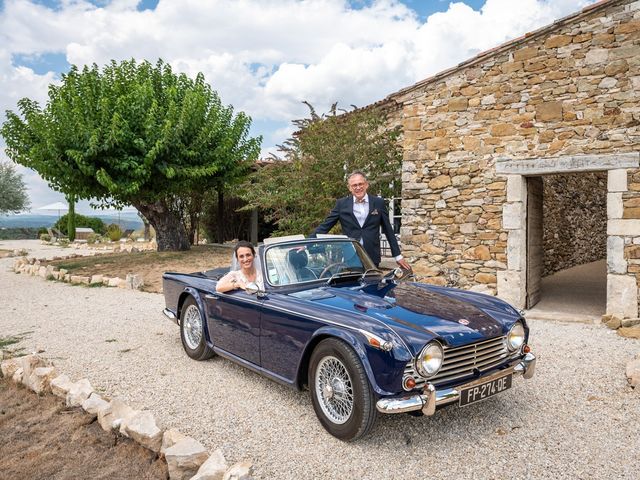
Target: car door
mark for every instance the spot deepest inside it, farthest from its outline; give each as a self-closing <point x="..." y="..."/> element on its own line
<point x="233" y="320"/>
<point x="287" y="325"/>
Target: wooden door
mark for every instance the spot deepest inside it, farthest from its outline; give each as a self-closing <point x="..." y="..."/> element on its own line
<point x="535" y="250"/>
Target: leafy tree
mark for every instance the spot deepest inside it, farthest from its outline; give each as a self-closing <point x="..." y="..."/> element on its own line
<point x="298" y="191"/>
<point x="132" y="134"/>
<point x="13" y="193"/>
<point x="95" y="223"/>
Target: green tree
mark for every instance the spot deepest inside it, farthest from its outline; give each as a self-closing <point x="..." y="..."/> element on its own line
<point x="95" y="223"/>
<point x="132" y="134"/>
<point x="298" y="191"/>
<point x="13" y="193"/>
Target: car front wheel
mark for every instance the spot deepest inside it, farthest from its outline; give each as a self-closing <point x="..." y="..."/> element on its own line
<point x="192" y="331"/>
<point x="340" y="391"/>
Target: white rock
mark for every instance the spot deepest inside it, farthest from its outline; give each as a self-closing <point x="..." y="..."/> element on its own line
<point x="114" y="415"/>
<point x="633" y="372"/>
<point x="213" y="469"/>
<point x="134" y="282"/>
<point x="94" y="404"/>
<point x="29" y="363"/>
<point x="41" y="377"/>
<point x="95" y="279"/>
<point x="9" y="367"/>
<point x="114" y="282"/>
<point x="143" y="429"/>
<point x="17" y="375"/>
<point x="239" y="471"/>
<point x="78" y="393"/>
<point x="185" y="458"/>
<point x="61" y="385"/>
<point x="170" y="438"/>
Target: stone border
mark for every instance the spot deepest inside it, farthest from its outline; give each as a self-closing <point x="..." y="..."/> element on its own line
<point x="186" y="458"/>
<point x="35" y="267"/>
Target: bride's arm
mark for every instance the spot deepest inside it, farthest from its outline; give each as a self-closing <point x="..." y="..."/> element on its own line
<point x="227" y="283"/>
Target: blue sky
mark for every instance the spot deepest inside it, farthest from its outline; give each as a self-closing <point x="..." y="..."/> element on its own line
<point x="262" y="56"/>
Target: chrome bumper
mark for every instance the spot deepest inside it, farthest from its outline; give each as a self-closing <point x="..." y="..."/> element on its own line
<point x="430" y="398"/>
<point x="170" y="315"/>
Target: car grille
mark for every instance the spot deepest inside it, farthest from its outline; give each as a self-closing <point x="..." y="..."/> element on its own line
<point x="461" y="362"/>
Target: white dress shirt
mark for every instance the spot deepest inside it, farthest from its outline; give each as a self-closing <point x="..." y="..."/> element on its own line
<point x="361" y="209"/>
<point x="361" y="212"/>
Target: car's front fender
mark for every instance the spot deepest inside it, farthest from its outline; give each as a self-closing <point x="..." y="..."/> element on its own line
<point x="383" y="368"/>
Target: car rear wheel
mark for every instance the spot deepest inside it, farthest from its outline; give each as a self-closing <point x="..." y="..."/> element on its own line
<point x="192" y="331"/>
<point x="340" y="391"/>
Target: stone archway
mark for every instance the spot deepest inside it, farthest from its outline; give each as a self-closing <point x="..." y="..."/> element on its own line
<point x="622" y="290"/>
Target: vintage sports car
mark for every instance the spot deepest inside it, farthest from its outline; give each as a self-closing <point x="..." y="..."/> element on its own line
<point x="362" y="341"/>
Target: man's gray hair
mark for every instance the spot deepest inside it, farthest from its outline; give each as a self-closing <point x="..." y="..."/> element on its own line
<point x="357" y="172"/>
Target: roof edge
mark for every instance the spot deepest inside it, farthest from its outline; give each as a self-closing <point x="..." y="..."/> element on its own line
<point x="492" y="52"/>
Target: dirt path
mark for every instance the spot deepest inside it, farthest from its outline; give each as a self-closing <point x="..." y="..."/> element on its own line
<point x="42" y="439"/>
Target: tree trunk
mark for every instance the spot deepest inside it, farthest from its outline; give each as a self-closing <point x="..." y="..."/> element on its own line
<point x="170" y="232"/>
<point x="71" y="218"/>
<point x="220" y="224"/>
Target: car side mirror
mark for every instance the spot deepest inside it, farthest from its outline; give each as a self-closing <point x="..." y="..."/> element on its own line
<point x="253" y="289"/>
<point x="396" y="274"/>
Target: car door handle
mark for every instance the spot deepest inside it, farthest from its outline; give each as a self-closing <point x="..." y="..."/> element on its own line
<point x="212" y="296"/>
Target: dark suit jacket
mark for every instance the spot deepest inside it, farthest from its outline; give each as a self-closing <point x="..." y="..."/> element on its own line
<point x="369" y="232"/>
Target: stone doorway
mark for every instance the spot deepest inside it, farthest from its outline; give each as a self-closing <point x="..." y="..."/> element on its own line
<point x="522" y="283"/>
<point x="566" y="230"/>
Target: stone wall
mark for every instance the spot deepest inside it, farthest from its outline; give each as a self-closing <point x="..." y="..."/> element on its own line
<point x="566" y="90"/>
<point x="575" y="220"/>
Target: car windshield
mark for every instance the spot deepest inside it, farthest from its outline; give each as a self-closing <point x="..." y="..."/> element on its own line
<point x="303" y="262"/>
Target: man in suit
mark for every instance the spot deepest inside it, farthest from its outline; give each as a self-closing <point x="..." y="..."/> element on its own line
<point x="361" y="217"/>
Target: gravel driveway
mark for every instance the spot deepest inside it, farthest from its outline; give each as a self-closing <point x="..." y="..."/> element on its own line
<point x="577" y="418"/>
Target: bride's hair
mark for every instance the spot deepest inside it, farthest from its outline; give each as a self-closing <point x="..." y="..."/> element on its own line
<point x="244" y="244"/>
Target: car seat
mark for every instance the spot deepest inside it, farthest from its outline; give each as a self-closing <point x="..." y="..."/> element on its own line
<point x="298" y="261"/>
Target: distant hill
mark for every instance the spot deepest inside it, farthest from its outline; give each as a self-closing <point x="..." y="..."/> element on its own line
<point x="127" y="221"/>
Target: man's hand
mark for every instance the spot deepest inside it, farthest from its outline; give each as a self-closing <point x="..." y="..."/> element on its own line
<point x="404" y="264"/>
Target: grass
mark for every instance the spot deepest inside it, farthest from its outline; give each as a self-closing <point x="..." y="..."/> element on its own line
<point x="7" y="341"/>
<point x="149" y="265"/>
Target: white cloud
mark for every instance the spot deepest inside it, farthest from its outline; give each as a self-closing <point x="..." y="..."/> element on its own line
<point x="266" y="56"/>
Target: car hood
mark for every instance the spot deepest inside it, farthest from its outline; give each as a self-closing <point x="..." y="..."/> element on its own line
<point x="419" y="313"/>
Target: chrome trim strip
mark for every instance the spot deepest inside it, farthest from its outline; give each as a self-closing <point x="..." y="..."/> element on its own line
<point x="430" y="398"/>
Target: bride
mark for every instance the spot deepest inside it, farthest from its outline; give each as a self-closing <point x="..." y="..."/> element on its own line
<point x="246" y="273"/>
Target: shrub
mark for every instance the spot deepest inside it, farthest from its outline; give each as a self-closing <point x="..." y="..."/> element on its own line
<point x="93" y="238"/>
<point x="64" y="242"/>
<point x="114" y="232"/>
<point x="45" y="237"/>
<point x="42" y="230"/>
<point x="94" y="223"/>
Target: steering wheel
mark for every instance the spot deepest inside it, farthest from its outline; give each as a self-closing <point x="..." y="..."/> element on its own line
<point x="328" y="268"/>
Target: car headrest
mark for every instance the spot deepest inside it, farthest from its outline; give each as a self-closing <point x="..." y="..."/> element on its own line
<point x="298" y="259"/>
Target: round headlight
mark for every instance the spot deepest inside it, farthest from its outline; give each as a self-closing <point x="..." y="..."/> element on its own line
<point x="430" y="359"/>
<point x="515" y="338"/>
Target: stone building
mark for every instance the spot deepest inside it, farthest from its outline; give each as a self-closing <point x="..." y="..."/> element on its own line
<point x="548" y="122"/>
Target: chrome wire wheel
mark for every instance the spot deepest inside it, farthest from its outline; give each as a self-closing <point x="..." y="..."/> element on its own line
<point x="334" y="390"/>
<point x="192" y="327"/>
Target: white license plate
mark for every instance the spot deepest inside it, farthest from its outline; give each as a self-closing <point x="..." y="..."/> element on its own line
<point x="480" y="392"/>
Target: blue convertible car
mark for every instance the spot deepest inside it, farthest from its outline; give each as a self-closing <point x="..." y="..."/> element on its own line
<point x="363" y="342"/>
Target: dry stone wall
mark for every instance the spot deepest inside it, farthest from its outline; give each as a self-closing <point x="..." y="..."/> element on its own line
<point x="567" y="90"/>
<point x="575" y="220"/>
